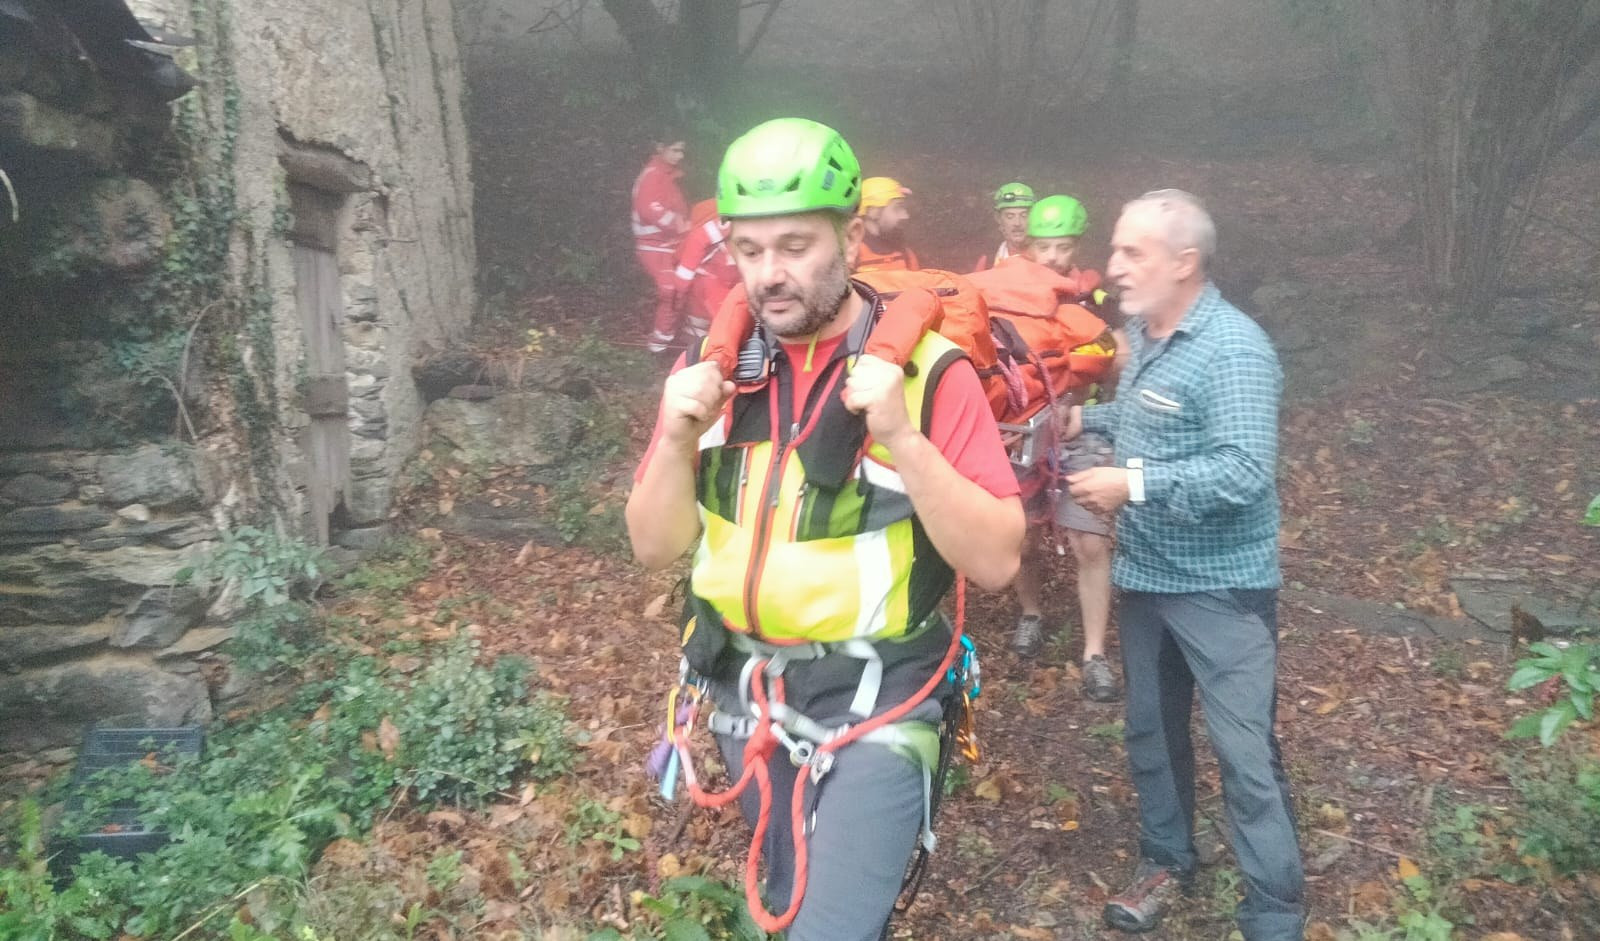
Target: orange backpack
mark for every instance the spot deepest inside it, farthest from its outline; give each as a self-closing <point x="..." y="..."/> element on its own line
<point x="964" y="319"/>
<point x="1019" y="349"/>
<point x="702" y="212"/>
<point x="1037" y="323"/>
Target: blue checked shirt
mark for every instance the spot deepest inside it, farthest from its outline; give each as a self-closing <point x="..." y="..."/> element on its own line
<point x="1201" y="409"/>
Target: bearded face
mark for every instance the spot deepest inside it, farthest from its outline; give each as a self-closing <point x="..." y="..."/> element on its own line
<point x="794" y="270"/>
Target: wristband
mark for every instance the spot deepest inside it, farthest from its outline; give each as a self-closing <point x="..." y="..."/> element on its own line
<point x="1135" y="480"/>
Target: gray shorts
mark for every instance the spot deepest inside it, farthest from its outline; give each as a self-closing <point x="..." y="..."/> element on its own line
<point x="1081" y="453"/>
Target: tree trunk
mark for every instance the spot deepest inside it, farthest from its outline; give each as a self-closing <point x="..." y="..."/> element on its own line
<point x="708" y="43"/>
<point x="1479" y="88"/>
<point x="1119" y="83"/>
<point x="645" y="31"/>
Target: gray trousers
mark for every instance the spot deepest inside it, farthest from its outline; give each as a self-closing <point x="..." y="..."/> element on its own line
<point x="1226" y="643"/>
<point x="868" y="812"/>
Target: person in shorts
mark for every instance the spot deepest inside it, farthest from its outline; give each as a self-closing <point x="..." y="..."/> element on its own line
<point x="1055" y="225"/>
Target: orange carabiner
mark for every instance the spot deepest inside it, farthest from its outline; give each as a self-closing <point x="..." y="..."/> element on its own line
<point x="967" y="734"/>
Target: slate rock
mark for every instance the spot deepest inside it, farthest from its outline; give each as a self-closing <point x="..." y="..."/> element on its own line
<point x="36" y="490"/>
<point x="157" y="476"/>
<point x="45" y="707"/>
<point x="159" y="618"/>
<point x="54" y="519"/>
<point x="528" y="428"/>
<point x="26" y="642"/>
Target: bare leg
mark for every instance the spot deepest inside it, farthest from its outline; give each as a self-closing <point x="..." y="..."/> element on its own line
<point x="1029" y="636"/>
<point x="1030" y="577"/>
<point x="1093" y="553"/>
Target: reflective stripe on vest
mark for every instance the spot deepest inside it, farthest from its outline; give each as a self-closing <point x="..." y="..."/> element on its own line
<point x="803" y="559"/>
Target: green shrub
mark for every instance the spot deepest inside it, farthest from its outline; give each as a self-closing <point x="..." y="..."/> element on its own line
<point x="1460" y="844"/>
<point x="254" y="811"/>
<point x="275" y="576"/>
<point x="1559" y="817"/>
<point x="1570" y="675"/>
<point x="468" y="730"/>
<point x="392" y="569"/>
<point x="30" y="907"/>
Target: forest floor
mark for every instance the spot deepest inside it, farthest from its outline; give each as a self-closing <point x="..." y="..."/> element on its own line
<point x="1413" y="458"/>
<point x="1417" y="452"/>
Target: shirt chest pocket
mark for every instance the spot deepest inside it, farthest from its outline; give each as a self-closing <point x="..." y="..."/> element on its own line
<point x="1171" y="416"/>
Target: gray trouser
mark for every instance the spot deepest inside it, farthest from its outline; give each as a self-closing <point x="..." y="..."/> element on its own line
<point x="1226" y="643"/>
<point x="868" y="812"/>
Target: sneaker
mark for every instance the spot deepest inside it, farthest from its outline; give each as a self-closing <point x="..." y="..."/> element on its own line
<point x="1029" y="636"/>
<point x="1099" y="683"/>
<point x="1140" y="907"/>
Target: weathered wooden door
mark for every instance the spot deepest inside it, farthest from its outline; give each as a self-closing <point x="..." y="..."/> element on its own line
<point x="325" y="396"/>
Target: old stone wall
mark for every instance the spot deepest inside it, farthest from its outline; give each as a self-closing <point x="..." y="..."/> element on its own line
<point x="213" y="308"/>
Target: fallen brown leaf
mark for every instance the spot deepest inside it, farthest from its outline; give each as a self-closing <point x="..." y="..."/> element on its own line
<point x="1369" y="898"/>
<point x="388" y="738"/>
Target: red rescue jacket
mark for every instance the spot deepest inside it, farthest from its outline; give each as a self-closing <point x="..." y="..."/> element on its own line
<point x="660" y="213"/>
<point x="886" y="257"/>
<point x="706" y="270"/>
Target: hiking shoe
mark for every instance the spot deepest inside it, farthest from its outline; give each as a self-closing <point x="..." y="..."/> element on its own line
<point x="1099" y="683"/>
<point x="1140" y="907"/>
<point x="1029" y="636"/>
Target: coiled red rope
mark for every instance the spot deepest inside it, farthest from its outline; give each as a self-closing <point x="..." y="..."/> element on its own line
<point x="759" y="749"/>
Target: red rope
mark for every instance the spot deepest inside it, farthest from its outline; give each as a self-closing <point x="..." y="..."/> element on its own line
<point x="758" y="750"/>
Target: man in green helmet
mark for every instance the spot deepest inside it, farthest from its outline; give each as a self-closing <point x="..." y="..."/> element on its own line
<point x="1055" y="224"/>
<point x="829" y="496"/>
<point x="1011" y="204"/>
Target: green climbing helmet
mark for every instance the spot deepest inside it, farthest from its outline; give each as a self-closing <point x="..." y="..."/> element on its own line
<point x="1013" y="196"/>
<point x="788" y="165"/>
<point x="1057" y="217"/>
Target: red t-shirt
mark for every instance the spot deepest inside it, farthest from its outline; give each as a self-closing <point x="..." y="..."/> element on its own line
<point x="963" y="427"/>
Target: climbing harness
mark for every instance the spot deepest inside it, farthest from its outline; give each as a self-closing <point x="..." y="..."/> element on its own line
<point x="771" y="723"/>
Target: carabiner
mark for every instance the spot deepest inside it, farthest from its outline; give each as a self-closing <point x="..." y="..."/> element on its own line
<point x="967" y="733"/>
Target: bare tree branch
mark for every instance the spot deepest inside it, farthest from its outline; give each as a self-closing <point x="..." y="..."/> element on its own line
<point x="760" y="30"/>
<point x="558" y="17"/>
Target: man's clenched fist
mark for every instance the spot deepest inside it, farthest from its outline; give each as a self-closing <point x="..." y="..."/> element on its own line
<point x="876" y="389"/>
<point x="691" y="402"/>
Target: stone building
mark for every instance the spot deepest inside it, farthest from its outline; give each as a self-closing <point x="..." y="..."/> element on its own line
<point x="236" y="225"/>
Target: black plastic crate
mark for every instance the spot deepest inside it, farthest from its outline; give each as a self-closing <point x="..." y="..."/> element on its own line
<point x="121" y="835"/>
